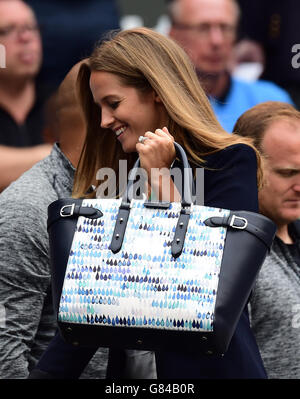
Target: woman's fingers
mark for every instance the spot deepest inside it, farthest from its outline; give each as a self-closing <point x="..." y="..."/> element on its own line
<point x="165" y="130"/>
<point x="157" y="149"/>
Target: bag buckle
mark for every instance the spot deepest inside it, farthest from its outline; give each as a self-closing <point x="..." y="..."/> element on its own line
<point x="63" y="213"/>
<point x="234" y="222"/>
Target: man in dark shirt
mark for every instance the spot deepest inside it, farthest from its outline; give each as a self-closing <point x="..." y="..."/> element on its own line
<point x="21" y="108"/>
<point x="25" y="134"/>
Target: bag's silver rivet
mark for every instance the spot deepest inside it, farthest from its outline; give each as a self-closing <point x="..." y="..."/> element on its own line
<point x="117" y="236"/>
<point x="75" y="343"/>
<point x="69" y="329"/>
<point x="204" y="338"/>
<point x="178" y="240"/>
<point x="181" y="225"/>
<point x="121" y="220"/>
<point x="139" y="342"/>
<point x="209" y="352"/>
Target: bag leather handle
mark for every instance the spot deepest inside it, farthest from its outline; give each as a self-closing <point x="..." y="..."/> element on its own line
<point x="187" y="198"/>
<point x="183" y="220"/>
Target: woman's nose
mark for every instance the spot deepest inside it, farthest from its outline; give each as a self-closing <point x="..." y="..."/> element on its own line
<point x="107" y="119"/>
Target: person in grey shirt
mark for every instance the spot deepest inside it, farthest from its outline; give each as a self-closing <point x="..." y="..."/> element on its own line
<point x="27" y="320"/>
<point x="275" y="302"/>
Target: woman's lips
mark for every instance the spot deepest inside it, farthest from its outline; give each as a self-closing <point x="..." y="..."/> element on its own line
<point x="120" y="131"/>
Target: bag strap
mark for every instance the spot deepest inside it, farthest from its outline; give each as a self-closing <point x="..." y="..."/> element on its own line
<point x="70" y="208"/>
<point x="120" y="228"/>
<point x="246" y="221"/>
<point x="188" y="189"/>
<point x="183" y="220"/>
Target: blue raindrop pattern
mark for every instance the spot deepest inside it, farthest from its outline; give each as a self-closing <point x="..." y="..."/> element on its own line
<point x="143" y="285"/>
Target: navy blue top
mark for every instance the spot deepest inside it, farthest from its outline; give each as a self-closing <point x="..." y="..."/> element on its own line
<point x="232" y="184"/>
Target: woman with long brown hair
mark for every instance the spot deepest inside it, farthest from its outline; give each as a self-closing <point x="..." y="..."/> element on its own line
<point x="140" y="93"/>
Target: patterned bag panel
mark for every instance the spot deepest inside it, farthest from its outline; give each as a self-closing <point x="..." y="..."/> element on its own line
<point x="143" y="285"/>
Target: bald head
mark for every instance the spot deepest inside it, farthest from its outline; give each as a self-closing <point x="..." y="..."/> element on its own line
<point x="177" y="8"/>
<point x="65" y="115"/>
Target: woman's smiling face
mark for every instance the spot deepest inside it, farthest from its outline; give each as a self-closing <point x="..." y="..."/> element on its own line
<point x="129" y="113"/>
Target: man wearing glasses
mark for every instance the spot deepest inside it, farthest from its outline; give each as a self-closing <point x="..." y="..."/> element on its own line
<point x="21" y="106"/>
<point x="207" y="30"/>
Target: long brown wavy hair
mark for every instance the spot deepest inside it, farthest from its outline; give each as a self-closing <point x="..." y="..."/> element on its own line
<point x="145" y="59"/>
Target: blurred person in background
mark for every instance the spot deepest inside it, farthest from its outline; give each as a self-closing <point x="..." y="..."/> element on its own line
<point x="207" y="30"/>
<point x="275" y="320"/>
<point x="21" y="102"/>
